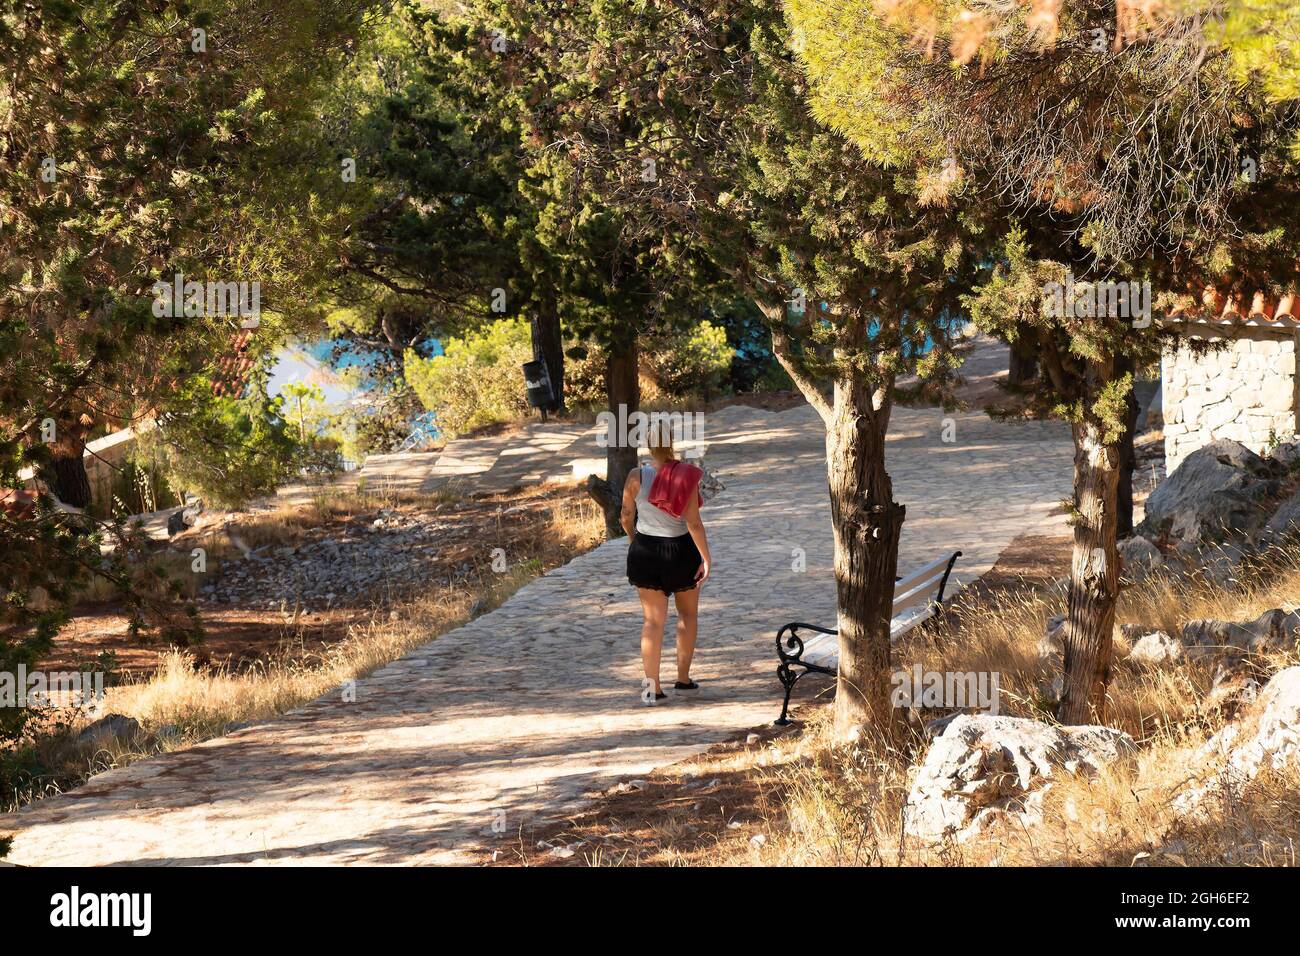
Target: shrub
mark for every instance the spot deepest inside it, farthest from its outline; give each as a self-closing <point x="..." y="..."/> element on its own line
<point x="584" y="376"/>
<point x="477" y="380"/>
<point x="697" y="361"/>
<point x="754" y="368"/>
<point x="226" y="450"/>
<point x="694" y="362"/>
<point x="320" y="447"/>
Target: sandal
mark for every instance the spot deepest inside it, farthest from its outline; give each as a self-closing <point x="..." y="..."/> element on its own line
<point x="689" y="685"/>
<point x="646" y="699"/>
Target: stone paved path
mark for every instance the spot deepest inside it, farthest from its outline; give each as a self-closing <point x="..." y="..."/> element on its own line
<point x="529" y="708"/>
<point x="540" y="452"/>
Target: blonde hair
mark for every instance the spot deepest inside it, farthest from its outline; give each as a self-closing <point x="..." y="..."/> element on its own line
<point x="659" y="438"/>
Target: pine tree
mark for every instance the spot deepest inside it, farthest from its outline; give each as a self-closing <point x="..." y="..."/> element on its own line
<point x="472" y="207"/>
<point x="694" y="123"/>
<point x="1144" y="163"/>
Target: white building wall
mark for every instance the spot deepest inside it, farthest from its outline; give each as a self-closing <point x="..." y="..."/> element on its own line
<point x="1247" y="391"/>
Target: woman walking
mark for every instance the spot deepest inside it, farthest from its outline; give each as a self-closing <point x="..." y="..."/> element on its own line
<point x="668" y="554"/>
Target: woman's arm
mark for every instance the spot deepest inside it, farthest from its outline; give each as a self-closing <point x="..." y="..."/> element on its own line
<point x="695" y="525"/>
<point x="627" y="516"/>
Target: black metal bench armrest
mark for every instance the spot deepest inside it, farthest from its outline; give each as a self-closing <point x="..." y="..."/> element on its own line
<point x="943" y="585"/>
<point x="794" y="642"/>
<point x="789" y="648"/>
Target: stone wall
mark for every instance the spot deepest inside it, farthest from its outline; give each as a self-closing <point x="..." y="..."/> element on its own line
<point x="1246" y="391"/>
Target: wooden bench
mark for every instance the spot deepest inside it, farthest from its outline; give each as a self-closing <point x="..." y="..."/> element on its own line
<point x="916" y="598"/>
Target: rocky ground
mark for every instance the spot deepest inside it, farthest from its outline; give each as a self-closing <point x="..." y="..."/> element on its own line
<point x="357" y="558"/>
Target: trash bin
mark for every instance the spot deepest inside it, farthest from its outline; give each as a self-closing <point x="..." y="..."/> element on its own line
<point x="537" y="384"/>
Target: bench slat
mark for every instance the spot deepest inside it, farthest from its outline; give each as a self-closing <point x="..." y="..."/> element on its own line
<point x="908" y="580"/>
<point x="915" y="597"/>
<point x="821" y="640"/>
<point x="827" y="656"/>
<point x="920" y="592"/>
<point x="903" y="623"/>
<point x="824" y="650"/>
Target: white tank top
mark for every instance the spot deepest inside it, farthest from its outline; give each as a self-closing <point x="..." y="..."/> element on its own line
<point x="651" y="519"/>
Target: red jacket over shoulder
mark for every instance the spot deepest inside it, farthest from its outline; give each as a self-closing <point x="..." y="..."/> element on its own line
<point x="673" y="486"/>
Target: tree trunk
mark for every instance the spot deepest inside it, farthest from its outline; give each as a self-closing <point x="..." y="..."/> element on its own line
<point x="867" y="523"/>
<point x="1024" y="362"/>
<point x="71" y="484"/>
<point x="1128" y="454"/>
<point x="548" y="346"/>
<point x="622" y="389"/>
<point x="1094" y="578"/>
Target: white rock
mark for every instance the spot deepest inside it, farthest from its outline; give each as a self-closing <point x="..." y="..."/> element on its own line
<point x="1287" y="454"/>
<point x="984" y="768"/>
<point x="109" y="728"/>
<point x="1233" y="689"/>
<point x="1220" y="488"/>
<point x="936" y="727"/>
<point x="1156" y="648"/>
<point x="1272" y="631"/>
<point x="1051" y="687"/>
<point x="1206" y="636"/>
<point x="1051" y="649"/>
<point x="1285" y="522"/>
<point x="1267" y="735"/>
<point x="1139" y="557"/>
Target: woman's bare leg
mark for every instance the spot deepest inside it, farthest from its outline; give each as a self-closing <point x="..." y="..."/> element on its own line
<point x="655" y="606"/>
<point x="688" y="620"/>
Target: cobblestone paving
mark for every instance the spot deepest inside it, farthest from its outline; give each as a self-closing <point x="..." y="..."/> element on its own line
<point x="530" y="708"/>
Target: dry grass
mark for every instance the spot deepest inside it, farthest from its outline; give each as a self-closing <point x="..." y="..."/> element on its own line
<point x="795" y="799"/>
<point x="201" y="703"/>
<point x="843" y="806"/>
<point x="289" y="522"/>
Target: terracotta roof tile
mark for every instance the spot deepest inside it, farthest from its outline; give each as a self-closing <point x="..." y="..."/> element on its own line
<point x="1264" y="310"/>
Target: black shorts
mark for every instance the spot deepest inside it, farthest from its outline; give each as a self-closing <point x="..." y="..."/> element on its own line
<point x="662" y="564"/>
